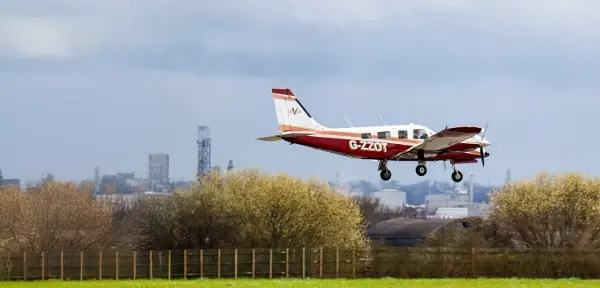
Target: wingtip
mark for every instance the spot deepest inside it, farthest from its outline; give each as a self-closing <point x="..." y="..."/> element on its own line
<point x="466" y="129"/>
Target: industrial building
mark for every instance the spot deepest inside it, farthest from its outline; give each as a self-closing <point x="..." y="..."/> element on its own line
<point x="391" y="197"/>
<point x="406" y="232"/>
<point x="158" y="172"/>
<point x="4" y="182"/>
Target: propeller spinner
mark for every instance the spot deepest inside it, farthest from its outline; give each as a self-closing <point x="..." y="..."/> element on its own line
<point x="481" y="146"/>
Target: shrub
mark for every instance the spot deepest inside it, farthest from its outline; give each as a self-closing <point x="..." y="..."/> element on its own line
<point x="551" y="211"/>
<point x="53" y="216"/>
<point x="249" y="209"/>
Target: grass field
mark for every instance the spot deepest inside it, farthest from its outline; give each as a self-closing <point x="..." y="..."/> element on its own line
<point x="424" y="283"/>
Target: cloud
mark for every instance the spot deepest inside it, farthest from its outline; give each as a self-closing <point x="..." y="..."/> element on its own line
<point x="166" y="64"/>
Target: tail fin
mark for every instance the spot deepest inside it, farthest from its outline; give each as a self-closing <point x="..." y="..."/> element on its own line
<point x="291" y="115"/>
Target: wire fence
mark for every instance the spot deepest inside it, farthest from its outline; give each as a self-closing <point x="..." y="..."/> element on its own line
<point x="299" y="263"/>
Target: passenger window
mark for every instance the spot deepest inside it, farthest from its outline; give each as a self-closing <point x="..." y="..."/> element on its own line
<point x="402" y="134"/>
<point x="383" y="135"/>
<point x="419" y="134"/>
<point x="365" y="135"/>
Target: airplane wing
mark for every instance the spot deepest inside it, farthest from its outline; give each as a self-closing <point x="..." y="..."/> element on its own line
<point x="289" y="134"/>
<point x="442" y="140"/>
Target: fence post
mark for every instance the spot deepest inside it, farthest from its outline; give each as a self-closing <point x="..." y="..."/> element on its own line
<point x="219" y="263"/>
<point x="134" y="265"/>
<point x="100" y="266"/>
<point x="80" y="265"/>
<point x="441" y="256"/>
<point x="169" y="264"/>
<point x="253" y="263"/>
<point x="270" y="263"/>
<point x="321" y="262"/>
<point x="235" y="263"/>
<point x="43" y="265"/>
<point x="62" y="265"/>
<point x="8" y="256"/>
<point x="337" y="262"/>
<point x="353" y="264"/>
<point x="151" y="273"/>
<point x="472" y="262"/>
<point x="185" y="264"/>
<point x="117" y="265"/>
<point x="303" y="262"/>
<point x="287" y="262"/>
<point x="201" y="263"/>
<point x="24" y="265"/>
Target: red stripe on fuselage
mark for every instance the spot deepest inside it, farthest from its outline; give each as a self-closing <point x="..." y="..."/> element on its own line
<point x="342" y="146"/>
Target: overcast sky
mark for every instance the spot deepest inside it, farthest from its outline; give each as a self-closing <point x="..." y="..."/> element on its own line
<point x="105" y="82"/>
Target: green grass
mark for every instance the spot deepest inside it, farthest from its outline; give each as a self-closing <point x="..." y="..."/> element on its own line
<point x="421" y="283"/>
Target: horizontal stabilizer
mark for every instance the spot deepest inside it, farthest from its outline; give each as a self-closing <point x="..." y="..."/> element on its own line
<point x="289" y="134"/>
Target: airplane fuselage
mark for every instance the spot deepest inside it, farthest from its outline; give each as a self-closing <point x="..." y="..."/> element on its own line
<point x="382" y="143"/>
<point x="353" y="142"/>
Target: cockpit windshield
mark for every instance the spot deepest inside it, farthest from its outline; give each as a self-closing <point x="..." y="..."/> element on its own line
<point x="420" y="134"/>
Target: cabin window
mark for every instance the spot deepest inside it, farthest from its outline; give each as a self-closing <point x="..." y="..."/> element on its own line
<point x="419" y="134"/>
<point x="365" y="135"/>
<point x="402" y="134"/>
<point x="383" y="135"/>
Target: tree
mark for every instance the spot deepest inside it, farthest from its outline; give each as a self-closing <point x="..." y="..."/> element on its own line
<point x="373" y="211"/>
<point x="248" y="209"/>
<point x="53" y="216"/>
<point x="551" y="211"/>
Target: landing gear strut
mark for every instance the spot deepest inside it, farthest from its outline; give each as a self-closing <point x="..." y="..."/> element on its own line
<point x="457" y="176"/>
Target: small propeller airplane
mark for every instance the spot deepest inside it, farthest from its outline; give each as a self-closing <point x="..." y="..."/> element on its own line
<point x="386" y="143"/>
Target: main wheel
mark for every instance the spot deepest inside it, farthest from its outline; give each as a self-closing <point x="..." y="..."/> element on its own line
<point x="457" y="176"/>
<point x="385" y="175"/>
<point x="421" y="170"/>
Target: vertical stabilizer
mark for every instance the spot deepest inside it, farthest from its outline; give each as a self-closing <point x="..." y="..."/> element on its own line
<point x="291" y="115"/>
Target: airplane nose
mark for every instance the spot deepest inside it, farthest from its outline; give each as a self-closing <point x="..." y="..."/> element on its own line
<point x="486" y="154"/>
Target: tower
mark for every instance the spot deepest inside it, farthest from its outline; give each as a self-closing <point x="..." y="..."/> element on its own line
<point x="1" y="177"/>
<point x="204" y="148"/>
<point x="471" y="190"/>
<point x="230" y="165"/>
<point x="96" y="180"/>
<point x="507" y="176"/>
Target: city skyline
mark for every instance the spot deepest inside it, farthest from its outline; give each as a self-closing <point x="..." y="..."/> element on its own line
<point x="104" y="83"/>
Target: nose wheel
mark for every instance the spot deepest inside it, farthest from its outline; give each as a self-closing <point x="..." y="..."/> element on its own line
<point x="421" y="170"/>
<point x="457" y="176"/>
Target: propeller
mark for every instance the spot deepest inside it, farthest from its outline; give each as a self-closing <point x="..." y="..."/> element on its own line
<point x="481" y="146"/>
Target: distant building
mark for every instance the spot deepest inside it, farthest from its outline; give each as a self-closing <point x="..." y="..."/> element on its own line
<point x="9" y="182"/>
<point x="158" y="171"/>
<point x="452" y="212"/>
<point x="391" y="197"/>
<point x="16" y="183"/>
<point x="404" y="232"/>
<point x="137" y="184"/>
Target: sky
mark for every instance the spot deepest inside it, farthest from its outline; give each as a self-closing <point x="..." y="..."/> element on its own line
<point x="106" y="82"/>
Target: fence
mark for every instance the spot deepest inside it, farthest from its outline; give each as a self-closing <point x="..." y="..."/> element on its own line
<point x="313" y="263"/>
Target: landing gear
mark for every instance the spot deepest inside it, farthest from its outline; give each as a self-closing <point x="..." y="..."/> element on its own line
<point x="421" y="170"/>
<point x="457" y="176"/>
<point x="386" y="174"/>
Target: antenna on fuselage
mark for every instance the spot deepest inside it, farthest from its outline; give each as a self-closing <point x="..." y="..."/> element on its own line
<point x="348" y="121"/>
<point x="383" y="121"/>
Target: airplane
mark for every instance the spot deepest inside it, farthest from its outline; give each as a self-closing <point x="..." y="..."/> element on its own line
<point x="411" y="142"/>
